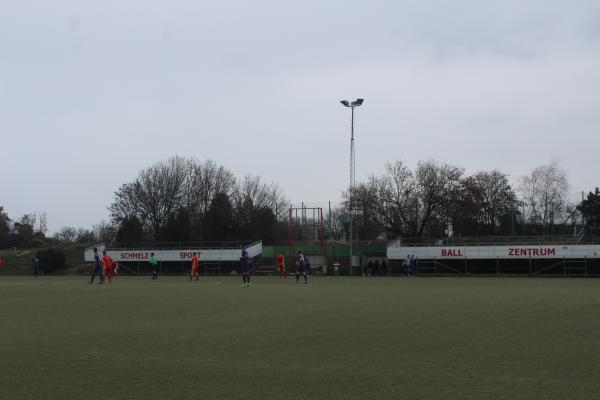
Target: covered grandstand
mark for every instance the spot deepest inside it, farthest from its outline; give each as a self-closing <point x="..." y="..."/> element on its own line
<point x="174" y="258"/>
<point x="533" y="256"/>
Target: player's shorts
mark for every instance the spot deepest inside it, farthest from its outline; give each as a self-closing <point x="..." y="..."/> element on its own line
<point x="281" y="267"/>
<point x="301" y="269"/>
<point x="246" y="269"/>
<point x="195" y="270"/>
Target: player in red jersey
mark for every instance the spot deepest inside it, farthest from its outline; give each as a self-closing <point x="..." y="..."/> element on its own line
<point x="281" y="265"/>
<point x="194" y="270"/>
<point x="107" y="262"/>
<point x="114" y="268"/>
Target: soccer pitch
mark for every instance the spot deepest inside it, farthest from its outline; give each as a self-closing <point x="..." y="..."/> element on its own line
<point x="335" y="338"/>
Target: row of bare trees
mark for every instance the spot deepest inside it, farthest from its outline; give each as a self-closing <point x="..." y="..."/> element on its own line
<point x="98" y="233"/>
<point x="182" y="199"/>
<point x="438" y="200"/>
<point x="28" y="231"/>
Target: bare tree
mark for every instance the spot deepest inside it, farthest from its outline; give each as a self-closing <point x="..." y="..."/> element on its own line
<point x="104" y="232"/>
<point x="406" y="202"/>
<point x="155" y="196"/>
<point x="67" y="233"/>
<point x="5" y="227"/>
<point x="590" y="209"/>
<point x="486" y="197"/>
<point x="251" y="192"/>
<point x="437" y="190"/>
<point x="25" y="227"/>
<point x="544" y="193"/>
<point x="385" y="201"/>
<point x="85" y="236"/>
<point x="164" y="192"/>
<point x="336" y="224"/>
<point x="206" y="180"/>
<point x="257" y="207"/>
<point x="42" y="223"/>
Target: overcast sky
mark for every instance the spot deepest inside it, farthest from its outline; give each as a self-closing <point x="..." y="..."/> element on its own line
<point x="93" y="91"/>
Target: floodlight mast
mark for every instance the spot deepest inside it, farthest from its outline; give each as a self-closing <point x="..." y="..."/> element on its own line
<point x="355" y="103"/>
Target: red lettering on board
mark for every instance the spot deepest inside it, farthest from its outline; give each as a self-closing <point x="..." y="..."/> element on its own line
<point x="134" y="256"/>
<point x="185" y="255"/>
<point x="451" y="253"/>
<point x="532" y="251"/>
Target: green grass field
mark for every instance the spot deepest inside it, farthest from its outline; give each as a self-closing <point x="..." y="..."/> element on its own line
<point x="336" y="338"/>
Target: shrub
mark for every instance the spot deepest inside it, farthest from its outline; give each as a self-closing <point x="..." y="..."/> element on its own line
<point x="51" y="260"/>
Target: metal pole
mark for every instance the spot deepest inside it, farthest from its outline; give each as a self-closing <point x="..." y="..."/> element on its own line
<point x="512" y="221"/>
<point x="303" y="217"/>
<point x="582" y="216"/>
<point x="497" y="266"/>
<point x="351" y="182"/>
<point x="523" y="219"/>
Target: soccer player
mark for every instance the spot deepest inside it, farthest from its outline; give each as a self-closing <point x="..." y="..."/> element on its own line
<point x="96" y="268"/>
<point x="281" y="265"/>
<point x="154" y="265"/>
<point x="36" y="267"/>
<point x="108" y="266"/>
<point x="194" y="270"/>
<point x="406" y="265"/>
<point x="307" y="269"/>
<point x="246" y="262"/>
<point x="114" y="268"/>
<point x="300" y="267"/>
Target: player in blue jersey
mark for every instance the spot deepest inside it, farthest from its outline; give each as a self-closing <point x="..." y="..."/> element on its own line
<point x="36" y="266"/>
<point x="97" y="267"/>
<point x="413" y="266"/>
<point x="301" y="267"/>
<point x="246" y="262"/>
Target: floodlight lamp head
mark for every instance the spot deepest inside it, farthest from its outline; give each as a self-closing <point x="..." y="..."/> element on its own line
<point x="345" y="103"/>
<point x="358" y="102"/>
